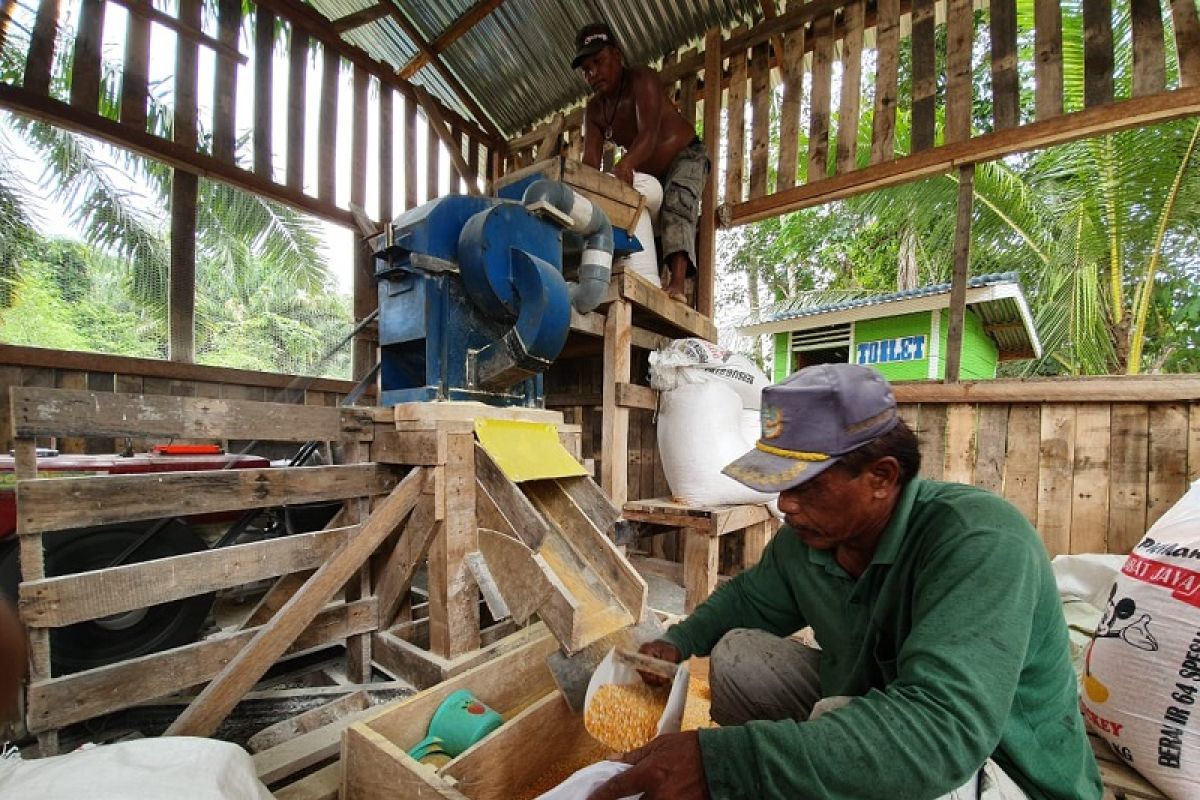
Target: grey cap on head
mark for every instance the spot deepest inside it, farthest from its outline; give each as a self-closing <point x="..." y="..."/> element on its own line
<point x="812" y="419"/>
<point x="590" y="40"/>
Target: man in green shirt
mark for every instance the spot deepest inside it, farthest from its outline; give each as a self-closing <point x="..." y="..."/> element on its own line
<point x="944" y="668"/>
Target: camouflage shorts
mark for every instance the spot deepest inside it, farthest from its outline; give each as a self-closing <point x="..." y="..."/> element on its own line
<point x="682" y="188"/>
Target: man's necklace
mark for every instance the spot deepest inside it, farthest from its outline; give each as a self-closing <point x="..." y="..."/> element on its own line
<point x="613" y="114"/>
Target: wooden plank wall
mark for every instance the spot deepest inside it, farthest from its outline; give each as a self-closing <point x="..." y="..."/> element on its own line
<point x="304" y="51"/>
<point x="816" y="157"/>
<point x="35" y="367"/>
<point x="1092" y="465"/>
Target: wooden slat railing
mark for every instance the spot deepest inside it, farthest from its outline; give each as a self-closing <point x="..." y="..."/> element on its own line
<point x="46" y="506"/>
<point x="1091" y="463"/>
<point x="280" y="176"/>
<point x="816" y="159"/>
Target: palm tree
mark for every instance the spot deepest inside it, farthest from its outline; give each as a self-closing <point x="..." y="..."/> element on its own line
<point x="245" y="244"/>
<point x="1102" y="235"/>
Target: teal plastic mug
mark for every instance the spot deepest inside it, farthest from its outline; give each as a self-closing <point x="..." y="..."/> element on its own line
<point x="459" y="722"/>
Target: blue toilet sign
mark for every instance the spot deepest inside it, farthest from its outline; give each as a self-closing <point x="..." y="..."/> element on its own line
<point x="884" y="351"/>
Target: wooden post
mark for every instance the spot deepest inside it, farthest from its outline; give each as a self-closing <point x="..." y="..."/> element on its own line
<point x="410" y="153"/>
<point x="225" y="85"/>
<point x="296" y="95"/>
<point x="85" y="64"/>
<point x="614" y="440"/>
<point x="33" y="568"/>
<point x="387" y="99"/>
<point x="264" y="52"/>
<point x="327" y="126"/>
<point x="366" y="299"/>
<point x="701" y="559"/>
<point x="962" y="263"/>
<point x="453" y="595"/>
<point x="181" y="298"/>
<point x="357" y="510"/>
<point x="706" y="250"/>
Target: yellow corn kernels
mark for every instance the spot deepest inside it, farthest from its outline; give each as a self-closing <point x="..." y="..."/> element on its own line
<point x="624" y="716"/>
<point x="696" y="708"/>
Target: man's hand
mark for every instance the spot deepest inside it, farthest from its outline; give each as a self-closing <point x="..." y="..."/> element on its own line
<point x="664" y="651"/>
<point x="624" y="172"/>
<point x="669" y="768"/>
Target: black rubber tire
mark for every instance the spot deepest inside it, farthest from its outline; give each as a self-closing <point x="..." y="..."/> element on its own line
<point x="91" y="644"/>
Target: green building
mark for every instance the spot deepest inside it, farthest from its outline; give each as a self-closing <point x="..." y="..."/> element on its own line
<point x="904" y="334"/>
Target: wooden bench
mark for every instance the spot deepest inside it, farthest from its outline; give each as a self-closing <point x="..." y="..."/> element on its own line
<point x="702" y="527"/>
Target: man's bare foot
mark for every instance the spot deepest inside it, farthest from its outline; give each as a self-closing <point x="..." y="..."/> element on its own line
<point x="677" y="295"/>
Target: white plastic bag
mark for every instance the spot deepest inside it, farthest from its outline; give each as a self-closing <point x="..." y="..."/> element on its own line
<point x="611" y="670"/>
<point x="144" y="769"/>
<point x="587" y="780"/>
<point x="1142" y="669"/>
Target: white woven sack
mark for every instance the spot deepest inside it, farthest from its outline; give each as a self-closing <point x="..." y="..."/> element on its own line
<point x="701" y="428"/>
<point x="687" y="361"/>
<point x="1142" y="670"/>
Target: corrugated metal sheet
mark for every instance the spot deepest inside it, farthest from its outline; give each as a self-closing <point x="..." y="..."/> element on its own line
<point x="976" y="282"/>
<point x="516" y="61"/>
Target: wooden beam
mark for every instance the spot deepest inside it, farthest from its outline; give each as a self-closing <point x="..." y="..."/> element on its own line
<point x="135" y="72"/>
<point x="184" y="159"/>
<point x="40" y="358"/>
<point x="51" y="504"/>
<point x="74" y="698"/>
<point x="217" y="699"/>
<point x="319" y="717"/>
<point x="67" y="599"/>
<point x="1115" y="389"/>
<point x="1135" y="113"/>
<point x="453" y="82"/>
<point x="359" y="18"/>
<point x="59" y="412"/>
<point x="395" y="577"/>
<point x="297" y="101"/>
<point x="707" y="244"/>
<point x="465" y="22"/>
<point x="962" y="270"/>
<point x="38" y="60"/>
<point x="327" y="125"/>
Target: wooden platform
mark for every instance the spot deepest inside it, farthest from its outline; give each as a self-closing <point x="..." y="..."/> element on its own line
<point x="702" y="528"/>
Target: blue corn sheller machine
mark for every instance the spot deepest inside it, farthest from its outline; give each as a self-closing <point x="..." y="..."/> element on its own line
<point x="473" y="304"/>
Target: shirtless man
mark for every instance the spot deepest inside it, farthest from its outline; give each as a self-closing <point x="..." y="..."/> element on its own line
<point x="630" y="108"/>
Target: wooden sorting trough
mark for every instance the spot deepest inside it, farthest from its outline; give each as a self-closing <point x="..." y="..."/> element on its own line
<point x="504" y="766"/>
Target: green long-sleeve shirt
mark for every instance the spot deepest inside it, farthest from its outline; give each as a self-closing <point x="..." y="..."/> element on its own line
<point x="952" y="642"/>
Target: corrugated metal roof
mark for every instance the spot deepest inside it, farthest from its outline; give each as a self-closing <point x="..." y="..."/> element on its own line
<point x="979" y="281"/>
<point x="516" y="61"/>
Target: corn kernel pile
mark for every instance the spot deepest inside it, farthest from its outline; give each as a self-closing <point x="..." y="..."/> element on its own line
<point x="696" y="708"/>
<point x="624" y="716"/>
<point x="560" y="770"/>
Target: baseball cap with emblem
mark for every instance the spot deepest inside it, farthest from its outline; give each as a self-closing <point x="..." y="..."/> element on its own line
<point x="811" y="420"/>
<point x="590" y="40"/>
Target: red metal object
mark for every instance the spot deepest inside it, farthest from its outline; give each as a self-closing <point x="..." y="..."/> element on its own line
<point x="64" y="466"/>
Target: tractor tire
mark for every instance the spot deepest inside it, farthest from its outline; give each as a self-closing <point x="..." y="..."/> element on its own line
<point x="95" y="643"/>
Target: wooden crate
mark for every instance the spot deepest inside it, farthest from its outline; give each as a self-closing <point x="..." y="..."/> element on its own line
<point x="620" y="201"/>
<point x="539" y="733"/>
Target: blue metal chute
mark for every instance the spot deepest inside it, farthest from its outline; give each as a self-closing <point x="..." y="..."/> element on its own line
<point x="543" y="320"/>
